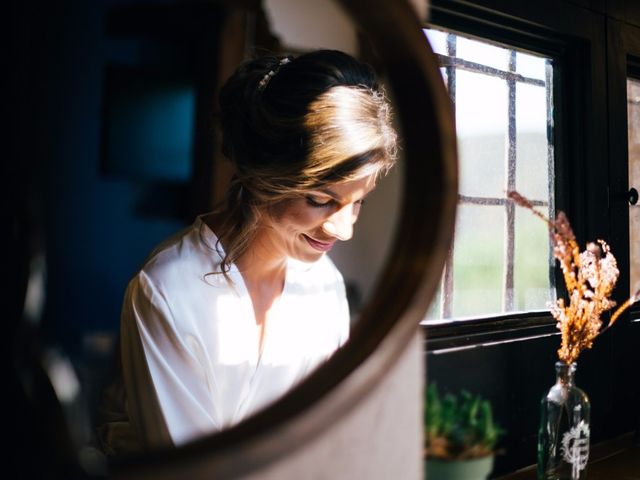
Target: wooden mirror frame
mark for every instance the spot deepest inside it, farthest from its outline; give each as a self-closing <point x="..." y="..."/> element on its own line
<point x="404" y="289"/>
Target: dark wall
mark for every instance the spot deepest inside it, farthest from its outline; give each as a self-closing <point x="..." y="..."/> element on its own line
<point x="59" y="205"/>
<point x="97" y="227"/>
<point x="92" y="227"/>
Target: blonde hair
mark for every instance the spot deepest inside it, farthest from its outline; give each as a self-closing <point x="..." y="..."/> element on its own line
<point x="320" y="119"/>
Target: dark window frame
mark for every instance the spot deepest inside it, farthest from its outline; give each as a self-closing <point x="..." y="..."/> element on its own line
<point x="577" y="47"/>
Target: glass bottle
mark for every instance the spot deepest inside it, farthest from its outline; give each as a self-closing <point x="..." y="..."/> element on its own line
<point x="563" y="438"/>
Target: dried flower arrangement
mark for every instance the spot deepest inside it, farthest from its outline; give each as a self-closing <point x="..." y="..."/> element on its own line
<point x="589" y="276"/>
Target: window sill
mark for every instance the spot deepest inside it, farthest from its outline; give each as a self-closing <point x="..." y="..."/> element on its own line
<point x="617" y="458"/>
<point x="457" y="335"/>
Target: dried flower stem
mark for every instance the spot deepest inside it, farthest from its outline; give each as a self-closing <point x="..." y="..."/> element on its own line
<point x="589" y="276"/>
<point x="630" y="301"/>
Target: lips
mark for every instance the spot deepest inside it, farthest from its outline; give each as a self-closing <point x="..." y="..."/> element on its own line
<point x="320" y="246"/>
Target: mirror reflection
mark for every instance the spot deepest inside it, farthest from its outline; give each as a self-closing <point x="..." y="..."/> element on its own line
<point x="231" y="312"/>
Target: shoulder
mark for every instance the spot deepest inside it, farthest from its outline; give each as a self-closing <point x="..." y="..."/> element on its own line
<point x="187" y="256"/>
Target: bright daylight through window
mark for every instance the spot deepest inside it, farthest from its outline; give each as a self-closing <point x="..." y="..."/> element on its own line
<point x="500" y="261"/>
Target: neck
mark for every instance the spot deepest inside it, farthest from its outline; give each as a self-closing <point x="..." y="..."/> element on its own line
<point x="262" y="266"/>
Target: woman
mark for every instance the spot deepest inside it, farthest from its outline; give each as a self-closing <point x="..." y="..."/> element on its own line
<point x="232" y="312"/>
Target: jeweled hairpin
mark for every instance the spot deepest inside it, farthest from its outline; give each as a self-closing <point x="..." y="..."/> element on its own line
<point x="271" y="73"/>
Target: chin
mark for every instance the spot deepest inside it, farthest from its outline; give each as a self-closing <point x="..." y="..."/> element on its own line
<point x="308" y="257"/>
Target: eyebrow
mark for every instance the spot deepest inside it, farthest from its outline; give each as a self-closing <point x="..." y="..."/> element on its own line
<point x="335" y="196"/>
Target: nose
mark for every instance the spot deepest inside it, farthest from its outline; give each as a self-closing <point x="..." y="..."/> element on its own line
<point x="340" y="224"/>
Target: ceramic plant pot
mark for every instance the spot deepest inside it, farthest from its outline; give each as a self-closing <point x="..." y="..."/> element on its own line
<point x="473" y="469"/>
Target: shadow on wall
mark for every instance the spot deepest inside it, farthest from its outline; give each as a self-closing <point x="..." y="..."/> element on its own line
<point x="361" y="259"/>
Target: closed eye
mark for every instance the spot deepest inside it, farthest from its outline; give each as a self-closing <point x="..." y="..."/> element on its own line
<point x="319" y="202"/>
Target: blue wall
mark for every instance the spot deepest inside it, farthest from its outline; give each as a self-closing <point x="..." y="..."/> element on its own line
<point x="95" y="240"/>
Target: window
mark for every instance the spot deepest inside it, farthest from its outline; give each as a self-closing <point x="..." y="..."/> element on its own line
<point x="633" y="122"/>
<point x="501" y="259"/>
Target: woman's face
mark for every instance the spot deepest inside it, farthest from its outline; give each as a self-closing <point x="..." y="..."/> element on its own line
<point x="305" y="228"/>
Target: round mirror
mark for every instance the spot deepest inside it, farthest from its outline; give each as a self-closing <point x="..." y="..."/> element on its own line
<point x="401" y="291"/>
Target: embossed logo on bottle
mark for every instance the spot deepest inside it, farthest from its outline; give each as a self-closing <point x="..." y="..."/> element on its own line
<point x="575" y="447"/>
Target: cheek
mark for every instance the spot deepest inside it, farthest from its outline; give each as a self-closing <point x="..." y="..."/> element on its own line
<point x="300" y="214"/>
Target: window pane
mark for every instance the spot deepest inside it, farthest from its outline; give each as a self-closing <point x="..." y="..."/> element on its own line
<point x="481" y="126"/>
<point x="633" y="118"/>
<point x="482" y="53"/>
<point x="533" y="263"/>
<point x="443" y="72"/>
<point x="437" y="40"/>
<point x="532" y="178"/>
<point x="530" y="66"/>
<point x="501" y="259"/>
<point x="478" y="260"/>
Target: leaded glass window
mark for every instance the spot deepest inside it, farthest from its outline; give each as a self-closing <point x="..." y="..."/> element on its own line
<point x="501" y="260"/>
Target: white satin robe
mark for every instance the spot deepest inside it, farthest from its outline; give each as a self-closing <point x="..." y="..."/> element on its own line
<point x="189" y="341"/>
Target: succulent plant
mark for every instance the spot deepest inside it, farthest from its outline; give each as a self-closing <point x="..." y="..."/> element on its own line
<point x="458" y="426"/>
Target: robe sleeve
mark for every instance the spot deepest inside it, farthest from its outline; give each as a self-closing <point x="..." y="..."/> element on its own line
<point x="169" y="399"/>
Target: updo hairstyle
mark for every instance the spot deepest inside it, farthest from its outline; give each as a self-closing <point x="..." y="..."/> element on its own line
<point x="290" y="125"/>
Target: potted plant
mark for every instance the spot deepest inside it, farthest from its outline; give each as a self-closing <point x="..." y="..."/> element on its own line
<point x="460" y="436"/>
